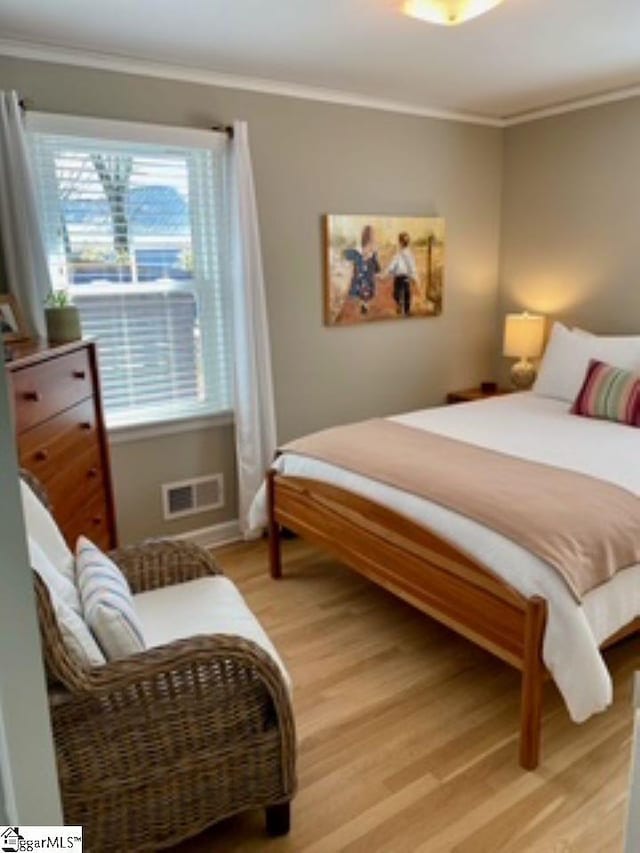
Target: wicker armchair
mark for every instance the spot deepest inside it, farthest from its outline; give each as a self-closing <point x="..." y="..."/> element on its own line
<point x="154" y="748"/>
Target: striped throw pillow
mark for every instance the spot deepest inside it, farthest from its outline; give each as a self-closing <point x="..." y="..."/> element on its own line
<point x="609" y="393"/>
<point x="107" y="602"/>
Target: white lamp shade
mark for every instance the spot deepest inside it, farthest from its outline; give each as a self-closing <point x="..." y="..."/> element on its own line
<point x="523" y="335"/>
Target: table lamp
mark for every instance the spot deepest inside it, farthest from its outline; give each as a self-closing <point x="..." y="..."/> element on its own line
<point x="523" y="339"/>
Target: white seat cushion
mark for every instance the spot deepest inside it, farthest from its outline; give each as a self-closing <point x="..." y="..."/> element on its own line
<point x="210" y="605"/>
<point x="75" y="632"/>
<point x="42" y="529"/>
<point x="58" y="584"/>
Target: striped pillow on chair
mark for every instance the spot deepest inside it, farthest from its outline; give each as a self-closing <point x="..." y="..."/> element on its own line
<point x="107" y="602"/>
<point x="609" y="393"/>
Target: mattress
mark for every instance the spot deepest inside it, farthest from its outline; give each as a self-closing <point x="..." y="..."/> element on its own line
<point x="541" y="430"/>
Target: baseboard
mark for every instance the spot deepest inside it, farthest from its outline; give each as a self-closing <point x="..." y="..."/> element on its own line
<point x="213" y="536"/>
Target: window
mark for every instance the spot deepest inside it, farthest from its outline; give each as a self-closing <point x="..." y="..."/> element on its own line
<point x="136" y="230"/>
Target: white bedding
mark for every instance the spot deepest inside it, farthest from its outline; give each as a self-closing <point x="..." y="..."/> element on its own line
<point x="538" y="429"/>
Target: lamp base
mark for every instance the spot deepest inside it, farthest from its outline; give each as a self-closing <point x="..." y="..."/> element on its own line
<point x="523" y="375"/>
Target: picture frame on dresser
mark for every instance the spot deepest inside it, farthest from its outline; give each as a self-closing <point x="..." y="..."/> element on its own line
<point x="12" y="323"/>
<point x="61" y="435"/>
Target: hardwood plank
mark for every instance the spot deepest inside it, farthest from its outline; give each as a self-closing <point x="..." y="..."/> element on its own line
<point x="407" y="731"/>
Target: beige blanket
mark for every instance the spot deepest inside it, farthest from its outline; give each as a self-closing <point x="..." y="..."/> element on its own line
<point x="586" y="528"/>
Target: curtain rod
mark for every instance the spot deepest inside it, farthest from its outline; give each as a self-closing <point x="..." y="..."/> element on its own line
<point x="223" y="128"/>
<point x="27" y="104"/>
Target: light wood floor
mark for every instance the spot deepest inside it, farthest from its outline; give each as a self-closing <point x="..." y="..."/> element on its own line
<point x="408" y="734"/>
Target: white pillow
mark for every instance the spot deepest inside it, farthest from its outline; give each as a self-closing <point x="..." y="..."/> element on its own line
<point x="75" y="633"/>
<point x="567" y="357"/>
<point x="626" y="338"/>
<point x="107" y="602"/>
<point x="42" y="529"/>
<point x="57" y="583"/>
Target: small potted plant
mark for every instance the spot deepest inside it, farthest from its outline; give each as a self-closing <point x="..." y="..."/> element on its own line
<point x="62" y="318"/>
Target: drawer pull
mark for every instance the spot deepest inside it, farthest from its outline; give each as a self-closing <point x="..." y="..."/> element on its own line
<point x="32" y="396"/>
<point x="92" y="472"/>
<point x="42" y="455"/>
<point x="86" y="425"/>
<point x="79" y="374"/>
<point x="97" y="519"/>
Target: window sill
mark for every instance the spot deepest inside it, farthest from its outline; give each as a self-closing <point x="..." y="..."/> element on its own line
<point x="123" y="434"/>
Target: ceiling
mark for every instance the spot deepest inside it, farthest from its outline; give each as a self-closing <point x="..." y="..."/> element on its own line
<point x="520" y="57"/>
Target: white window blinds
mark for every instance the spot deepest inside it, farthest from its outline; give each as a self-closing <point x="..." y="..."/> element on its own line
<point x="137" y="231"/>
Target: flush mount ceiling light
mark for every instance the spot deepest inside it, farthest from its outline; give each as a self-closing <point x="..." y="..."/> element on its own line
<point x="447" y="12"/>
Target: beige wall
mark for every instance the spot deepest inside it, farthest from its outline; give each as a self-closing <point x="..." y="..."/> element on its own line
<point x="312" y="158"/>
<point x="571" y="217"/>
<point x="141" y="466"/>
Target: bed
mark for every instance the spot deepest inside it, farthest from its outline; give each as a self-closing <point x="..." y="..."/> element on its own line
<point x="471" y="578"/>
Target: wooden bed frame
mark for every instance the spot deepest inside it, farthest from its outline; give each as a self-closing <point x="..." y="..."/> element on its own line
<point x="427" y="572"/>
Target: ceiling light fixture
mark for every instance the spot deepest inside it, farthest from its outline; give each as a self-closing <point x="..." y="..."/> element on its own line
<point x="447" y="12"/>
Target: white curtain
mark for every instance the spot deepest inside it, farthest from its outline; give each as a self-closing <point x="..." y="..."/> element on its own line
<point x="254" y="409"/>
<point x="25" y="257"/>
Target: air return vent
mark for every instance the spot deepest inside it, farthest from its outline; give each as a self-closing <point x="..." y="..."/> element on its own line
<point x="188" y="497"/>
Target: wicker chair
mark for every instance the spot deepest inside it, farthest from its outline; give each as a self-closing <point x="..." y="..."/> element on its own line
<point x="156" y="747"/>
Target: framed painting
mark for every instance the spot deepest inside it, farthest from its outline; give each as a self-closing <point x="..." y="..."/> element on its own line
<point x="11" y="321"/>
<point x="382" y="268"/>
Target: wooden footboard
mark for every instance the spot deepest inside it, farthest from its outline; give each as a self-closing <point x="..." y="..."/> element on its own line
<point x="424" y="570"/>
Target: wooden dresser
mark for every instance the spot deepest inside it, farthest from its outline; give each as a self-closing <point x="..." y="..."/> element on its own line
<point x="61" y="435"/>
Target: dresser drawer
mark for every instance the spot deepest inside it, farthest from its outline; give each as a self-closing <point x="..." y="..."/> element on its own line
<point x="71" y="488"/>
<point x="92" y="521"/>
<point x="52" y="445"/>
<point x="42" y="390"/>
<point x="61" y="437"/>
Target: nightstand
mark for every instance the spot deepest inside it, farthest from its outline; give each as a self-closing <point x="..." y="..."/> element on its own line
<point x="470" y="395"/>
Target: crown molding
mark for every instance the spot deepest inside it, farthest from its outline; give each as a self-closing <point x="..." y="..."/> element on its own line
<point x="41" y="52"/>
<point x="573" y="106"/>
<point x="128" y="65"/>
